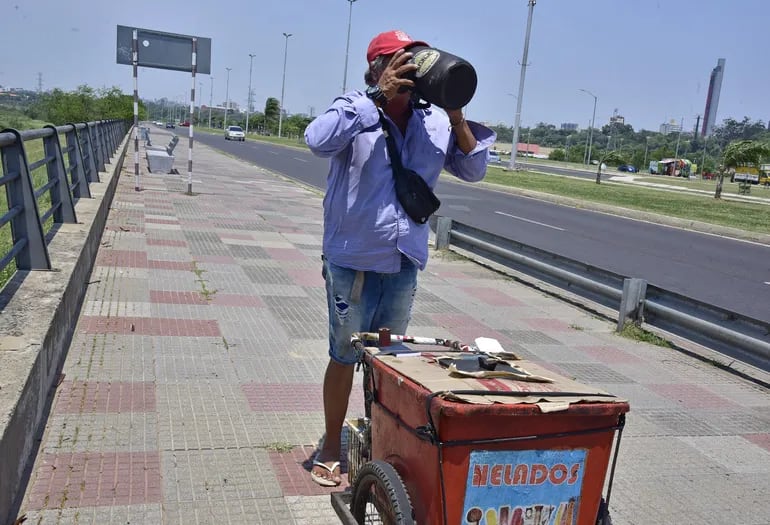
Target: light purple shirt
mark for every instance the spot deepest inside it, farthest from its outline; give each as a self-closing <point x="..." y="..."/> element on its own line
<point x="365" y="227"/>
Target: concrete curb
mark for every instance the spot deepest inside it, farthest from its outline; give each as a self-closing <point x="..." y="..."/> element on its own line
<point x="35" y="339"/>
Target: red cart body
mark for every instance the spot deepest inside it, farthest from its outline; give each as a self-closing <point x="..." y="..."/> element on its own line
<point x="540" y="458"/>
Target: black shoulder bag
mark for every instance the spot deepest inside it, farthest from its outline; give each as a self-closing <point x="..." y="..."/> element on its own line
<point x="414" y="194"/>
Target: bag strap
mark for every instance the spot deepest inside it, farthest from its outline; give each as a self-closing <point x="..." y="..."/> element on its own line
<point x="395" y="158"/>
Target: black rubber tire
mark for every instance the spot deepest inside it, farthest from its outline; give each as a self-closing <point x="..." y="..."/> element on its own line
<point x="603" y="516"/>
<point x="380" y="479"/>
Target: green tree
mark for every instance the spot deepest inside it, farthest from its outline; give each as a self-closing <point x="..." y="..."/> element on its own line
<point x="749" y="153"/>
<point x="272" y="111"/>
<point x="557" y="154"/>
<point x="607" y="157"/>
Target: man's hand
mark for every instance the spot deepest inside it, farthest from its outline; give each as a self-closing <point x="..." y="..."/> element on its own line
<point x="391" y="79"/>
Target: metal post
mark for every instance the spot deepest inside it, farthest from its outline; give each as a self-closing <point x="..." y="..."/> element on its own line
<point x="61" y="197"/>
<point x="135" y="60"/>
<point x="591" y="131"/>
<point x="77" y="167"/>
<point x="248" y="100"/>
<point x="347" y="49"/>
<point x="200" y="104"/>
<point x="211" y="99"/>
<point x="678" y="138"/>
<point x="227" y="97"/>
<point x="283" y="83"/>
<point x="646" y="149"/>
<point x="192" y="113"/>
<point x="520" y="98"/>
<point x="585" y="151"/>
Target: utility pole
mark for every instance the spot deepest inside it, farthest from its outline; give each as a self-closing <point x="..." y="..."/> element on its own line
<point x="211" y="98"/>
<point x="520" y="98"/>
<point x="227" y="97"/>
<point x="248" y="99"/>
<point x="347" y="49"/>
<point x="679" y="138"/>
<point x="283" y="83"/>
<point x="591" y="131"/>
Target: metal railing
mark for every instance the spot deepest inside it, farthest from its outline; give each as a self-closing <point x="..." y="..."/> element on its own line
<point x="734" y="334"/>
<point x="54" y="182"/>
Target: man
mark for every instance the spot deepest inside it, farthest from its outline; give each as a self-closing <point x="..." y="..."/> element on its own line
<point x="372" y="249"/>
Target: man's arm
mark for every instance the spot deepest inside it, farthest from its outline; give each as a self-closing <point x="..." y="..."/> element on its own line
<point x="467" y="154"/>
<point x="332" y="132"/>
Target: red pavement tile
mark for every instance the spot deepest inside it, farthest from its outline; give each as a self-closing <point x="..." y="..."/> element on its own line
<point x="307" y="277"/>
<point x="291" y="397"/>
<point x="170" y="265"/>
<point x="467" y="329"/>
<point x="692" y="396"/>
<point x="451" y="274"/>
<point x="96" y="479"/>
<point x="293" y="472"/>
<point x="491" y="296"/>
<point x="150" y="326"/>
<point x="166" y="297"/>
<point x="228" y="299"/>
<point x="763" y="440"/>
<point x="609" y="354"/>
<point x="124" y="258"/>
<point x="153" y="220"/>
<point x="166" y="242"/>
<point x="547" y="325"/>
<point x="286" y="254"/>
<point x="75" y="397"/>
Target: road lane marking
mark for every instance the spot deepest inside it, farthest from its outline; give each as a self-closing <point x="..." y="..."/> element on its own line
<point x="299" y="159"/>
<point x="530" y="220"/>
<point x="273" y="152"/>
<point x="767" y="282"/>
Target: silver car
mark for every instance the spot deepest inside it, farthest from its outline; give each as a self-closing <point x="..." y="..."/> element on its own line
<point x="235" y="133"/>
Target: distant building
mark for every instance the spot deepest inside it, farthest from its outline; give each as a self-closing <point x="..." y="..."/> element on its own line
<point x="569" y="126"/>
<point x="670" y="127"/>
<point x="617" y="119"/>
<point x="712" y="98"/>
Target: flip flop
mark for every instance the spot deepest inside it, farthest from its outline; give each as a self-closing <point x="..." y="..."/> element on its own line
<point x="325" y="482"/>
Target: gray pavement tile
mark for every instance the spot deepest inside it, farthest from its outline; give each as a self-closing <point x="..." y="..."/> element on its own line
<point x="117" y="308"/>
<point x="251" y="324"/>
<point x="743" y="393"/>
<point x="266" y="275"/>
<point x="251" y="511"/>
<point x="280" y="290"/>
<point x="530" y="337"/>
<point x="173" y="281"/>
<point x="739" y="421"/>
<point x="646" y="373"/>
<point x="591" y="373"/>
<point x="732" y="453"/>
<point x="110" y="357"/>
<point x="196" y="364"/>
<point x="555" y="353"/>
<point x="112" y="432"/>
<point x="228" y="476"/>
<point x="169" y="253"/>
<point x="638" y="396"/>
<point x="679" y="422"/>
<point x="311" y="510"/>
<point x="149" y="514"/>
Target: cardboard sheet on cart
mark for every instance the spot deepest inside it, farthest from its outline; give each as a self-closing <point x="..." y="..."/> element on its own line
<point x="426" y="371"/>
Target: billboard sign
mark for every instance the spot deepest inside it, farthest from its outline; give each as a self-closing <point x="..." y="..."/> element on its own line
<point x="161" y="50"/>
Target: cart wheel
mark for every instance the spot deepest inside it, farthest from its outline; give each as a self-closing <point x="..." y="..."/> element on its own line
<point x="379" y="496"/>
<point x="603" y="517"/>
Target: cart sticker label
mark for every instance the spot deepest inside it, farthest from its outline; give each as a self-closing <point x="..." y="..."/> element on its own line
<point x="524" y="487"/>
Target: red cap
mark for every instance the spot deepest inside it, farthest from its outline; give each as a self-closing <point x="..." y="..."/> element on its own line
<point x="389" y="42"/>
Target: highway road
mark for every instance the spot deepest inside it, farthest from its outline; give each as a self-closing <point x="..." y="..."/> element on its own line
<point x="729" y="273"/>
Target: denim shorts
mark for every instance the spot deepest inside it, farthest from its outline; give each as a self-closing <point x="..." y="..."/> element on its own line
<point x="385" y="302"/>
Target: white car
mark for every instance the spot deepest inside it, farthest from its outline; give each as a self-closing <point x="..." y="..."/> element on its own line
<point x="235" y="133"/>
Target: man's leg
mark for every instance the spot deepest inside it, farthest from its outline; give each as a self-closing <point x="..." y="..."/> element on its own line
<point x="338" y="382"/>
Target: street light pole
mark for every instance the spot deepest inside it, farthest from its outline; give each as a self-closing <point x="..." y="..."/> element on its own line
<point x="520" y="98"/>
<point x="248" y="99"/>
<point x="283" y="83"/>
<point x="646" y="148"/>
<point x="347" y="49"/>
<point x="591" y="131"/>
<point x="211" y="99"/>
<point x="227" y="97"/>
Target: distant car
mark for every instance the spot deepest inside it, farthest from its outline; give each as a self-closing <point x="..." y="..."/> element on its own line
<point x="235" y="133"/>
<point x="170" y="125"/>
<point x="185" y="124"/>
<point x="494" y="157"/>
<point x="627" y="168"/>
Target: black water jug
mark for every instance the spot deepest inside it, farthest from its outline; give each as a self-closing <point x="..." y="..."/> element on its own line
<point x="441" y="78"/>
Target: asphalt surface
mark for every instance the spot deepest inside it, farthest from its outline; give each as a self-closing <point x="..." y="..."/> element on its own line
<point x="725" y="272"/>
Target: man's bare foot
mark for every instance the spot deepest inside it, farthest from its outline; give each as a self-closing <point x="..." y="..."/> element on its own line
<point x="326" y="473"/>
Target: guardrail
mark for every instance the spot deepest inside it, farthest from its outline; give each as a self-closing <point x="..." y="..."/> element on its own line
<point x="68" y="172"/>
<point x="737" y="335"/>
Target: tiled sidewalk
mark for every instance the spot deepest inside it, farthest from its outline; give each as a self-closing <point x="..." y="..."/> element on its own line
<point x="192" y="388"/>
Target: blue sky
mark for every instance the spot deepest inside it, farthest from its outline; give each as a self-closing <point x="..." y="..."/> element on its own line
<point x="650" y="59"/>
